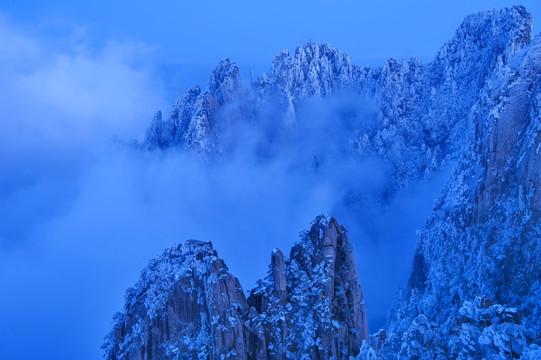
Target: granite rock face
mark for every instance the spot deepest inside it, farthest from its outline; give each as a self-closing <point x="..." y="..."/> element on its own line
<point x="320" y="311"/>
<point x="188" y="306"/>
<point x="475" y="287"/>
<point x="185" y="304"/>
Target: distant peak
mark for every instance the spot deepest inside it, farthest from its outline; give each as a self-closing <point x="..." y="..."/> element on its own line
<point x="225" y="69"/>
<point x="315" y="46"/>
<point x="507" y="28"/>
<point x="196" y="246"/>
<point x="225" y="80"/>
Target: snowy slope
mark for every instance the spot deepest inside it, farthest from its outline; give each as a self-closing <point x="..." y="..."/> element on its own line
<point x="475" y="286"/>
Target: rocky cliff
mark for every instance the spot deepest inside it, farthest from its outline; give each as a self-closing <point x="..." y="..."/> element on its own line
<point x="311" y="304"/>
<point x="475" y="287"/>
<point x="192" y="122"/>
<point x="187" y="305"/>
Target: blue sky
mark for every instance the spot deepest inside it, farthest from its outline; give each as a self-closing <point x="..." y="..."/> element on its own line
<point x="80" y="220"/>
<point x="188" y="38"/>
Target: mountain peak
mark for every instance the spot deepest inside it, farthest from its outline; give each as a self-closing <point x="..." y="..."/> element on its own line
<point x="312" y="303"/>
<point x="504" y="32"/>
<point x="192" y="120"/>
<point x="314" y="69"/>
<point x="187" y="303"/>
<point x="225" y="80"/>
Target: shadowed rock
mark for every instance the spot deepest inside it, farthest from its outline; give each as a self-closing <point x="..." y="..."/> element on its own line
<point x="187" y="305"/>
<point x="186" y="302"/>
<point x="321" y="312"/>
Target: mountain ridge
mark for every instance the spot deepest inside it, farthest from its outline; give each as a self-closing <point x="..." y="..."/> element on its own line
<point x="421" y="110"/>
<point x="474" y="287"/>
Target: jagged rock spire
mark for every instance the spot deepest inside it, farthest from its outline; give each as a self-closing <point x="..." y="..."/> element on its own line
<point x="192" y="120"/>
<point x="187" y="305"/>
<point x="320" y="311"/>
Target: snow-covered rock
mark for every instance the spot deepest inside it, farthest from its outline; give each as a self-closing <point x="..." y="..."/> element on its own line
<point x="311" y="305"/>
<point x="192" y="123"/>
<point x="475" y="287"/>
<point x="419" y="111"/>
<point x="186" y="305"/>
<point x="313" y="70"/>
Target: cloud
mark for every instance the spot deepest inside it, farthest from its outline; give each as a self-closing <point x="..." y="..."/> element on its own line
<point x="61" y="102"/>
<point x="82" y="217"/>
<point x="76" y="95"/>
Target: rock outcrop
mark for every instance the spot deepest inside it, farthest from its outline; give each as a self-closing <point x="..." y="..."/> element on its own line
<point x="411" y="114"/>
<point x="475" y="287"/>
<point x="312" y="303"/>
<point x="192" y="122"/>
<point x="187" y="305"/>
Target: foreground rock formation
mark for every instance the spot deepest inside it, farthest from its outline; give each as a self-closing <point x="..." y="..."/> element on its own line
<point x="311" y="304"/>
<point x="187" y="305"/>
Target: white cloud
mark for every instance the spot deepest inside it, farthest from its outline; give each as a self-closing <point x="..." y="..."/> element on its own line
<point x="61" y="101"/>
<point x="72" y="94"/>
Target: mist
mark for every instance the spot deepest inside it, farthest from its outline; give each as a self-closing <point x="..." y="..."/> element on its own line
<point x="82" y="215"/>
